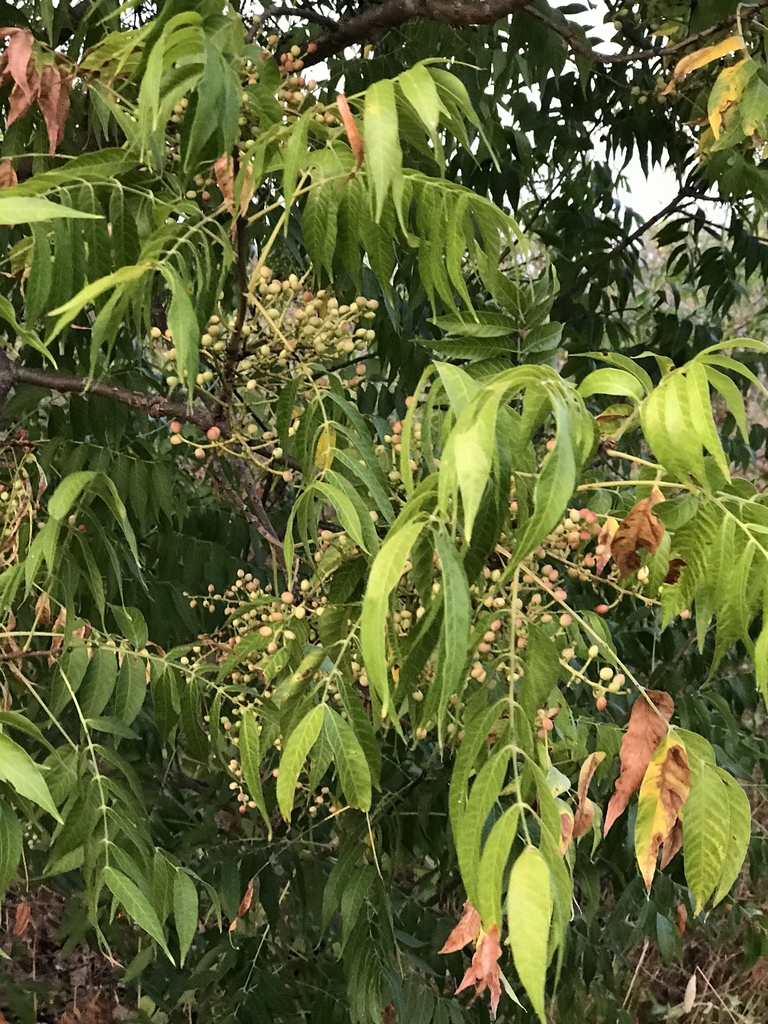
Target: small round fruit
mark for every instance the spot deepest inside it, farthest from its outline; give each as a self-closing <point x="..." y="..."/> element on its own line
<point x="213" y="433"/>
<point x="175" y="427"/>
<point x="601" y="703"/>
<point x="199" y="453"/>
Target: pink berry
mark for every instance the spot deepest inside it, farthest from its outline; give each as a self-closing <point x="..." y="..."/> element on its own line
<point x="601" y="609"/>
<point x="175" y="427"/>
<point x="213" y="433"/>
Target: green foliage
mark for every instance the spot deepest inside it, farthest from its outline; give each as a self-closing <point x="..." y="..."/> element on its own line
<point x="359" y="478"/>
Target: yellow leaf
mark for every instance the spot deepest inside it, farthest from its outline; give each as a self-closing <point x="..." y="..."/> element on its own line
<point x="700" y="58"/>
<point x="326" y="444"/>
<point x="665" y="788"/>
<point x="727" y="91"/>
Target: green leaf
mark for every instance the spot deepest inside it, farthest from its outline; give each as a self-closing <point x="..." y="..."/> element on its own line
<point x="136" y="905"/>
<point x="739" y="834"/>
<point x="457" y="615"/>
<point x="387" y="568"/>
<point x="493" y="863"/>
<point x="609" y="381"/>
<point x="354" y="774"/>
<point x="250" y="759"/>
<point x="130" y="688"/>
<point x="529" y="916"/>
<point x="99" y="682"/>
<point x="185" y="912"/>
<point x="91" y="292"/>
<point x="19" y="770"/>
<point x="10" y="847"/>
<point x="18" y="210"/>
<point x="705" y="832"/>
<point x="383" y="156"/>
<point x="184" y="327"/>
<point x="468" y="830"/>
<point x="295" y="753"/>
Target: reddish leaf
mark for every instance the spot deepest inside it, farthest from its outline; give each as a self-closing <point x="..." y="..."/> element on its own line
<point x="388" y="1014"/>
<point x="19" y="54"/>
<point x="225" y="179"/>
<point x="484" y="972"/>
<point x="682" y="918"/>
<point x="464" y="932"/>
<point x="53" y="101"/>
<point x="43" y="609"/>
<point x="640" y="529"/>
<point x="7" y="180"/>
<point x="350" y="126"/>
<point x="647" y="728"/>
<point x="566" y="832"/>
<point x="245" y="904"/>
<point x="21" y="918"/>
<point x="585" y="812"/>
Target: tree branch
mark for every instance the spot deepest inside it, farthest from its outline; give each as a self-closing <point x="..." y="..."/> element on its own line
<point x="579" y="44"/>
<point x="298" y="12"/>
<point x="12" y="374"/>
<point x="393" y="14"/>
<point x="583" y="279"/>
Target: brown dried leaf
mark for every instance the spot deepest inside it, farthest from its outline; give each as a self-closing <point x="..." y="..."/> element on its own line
<point x="700" y="58"/>
<point x="388" y="1014"/>
<point x="585" y="812"/>
<point x="245" y="904"/>
<point x="43" y="609"/>
<point x="647" y="728"/>
<point x="7" y="180"/>
<point x="55" y="86"/>
<point x="464" y="932"/>
<point x="19" y="60"/>
<point x="640" y="529"/>
<point x="225" y="179"/>
<point x="58" y="638"/>
<point x="350" y="127"/>
<point x="21" y="918"/>
<point x="484" y="972"/>
<point x="672" y="844"/>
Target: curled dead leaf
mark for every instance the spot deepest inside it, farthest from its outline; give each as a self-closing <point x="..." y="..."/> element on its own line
<point x="682" y="917"/>
<point x="43" y="609"/>
<point x="350" y="127"/>
<point x="484" y="972"/>
<point x="604" y="543"/>
<point x="647" y="728"/>
<point x="466" y="930"/>
<point x="245" y="904"/>
<point x="640" y="529"/>
<point x="700" y="58"/>
<point x="585" y="812"/>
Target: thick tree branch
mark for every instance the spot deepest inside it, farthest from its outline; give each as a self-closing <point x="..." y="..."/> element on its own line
<point x="579" y="44"/>
<point x="305" y="13"/>
<point x="13" y="373"/>
<point x="393" y="14"/>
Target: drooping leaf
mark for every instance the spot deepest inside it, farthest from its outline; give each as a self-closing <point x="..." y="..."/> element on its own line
<point x="529" y="916"/>
<point x="664" y="789"/>
<point x="647" y="728"/>
<point x="136" y="905"/>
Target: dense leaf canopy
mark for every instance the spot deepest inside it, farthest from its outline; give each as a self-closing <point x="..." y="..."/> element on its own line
<point x="383" y="566"/>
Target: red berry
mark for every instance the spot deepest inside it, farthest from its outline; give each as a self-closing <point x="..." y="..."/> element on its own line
<point x="175" y="427"/>
<point x="548" y="724"/>
<point x="601" y="609"/>
<point x="601" y="703"/>
<point x="213" y="433"/>
<point x="199" y="453"/>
